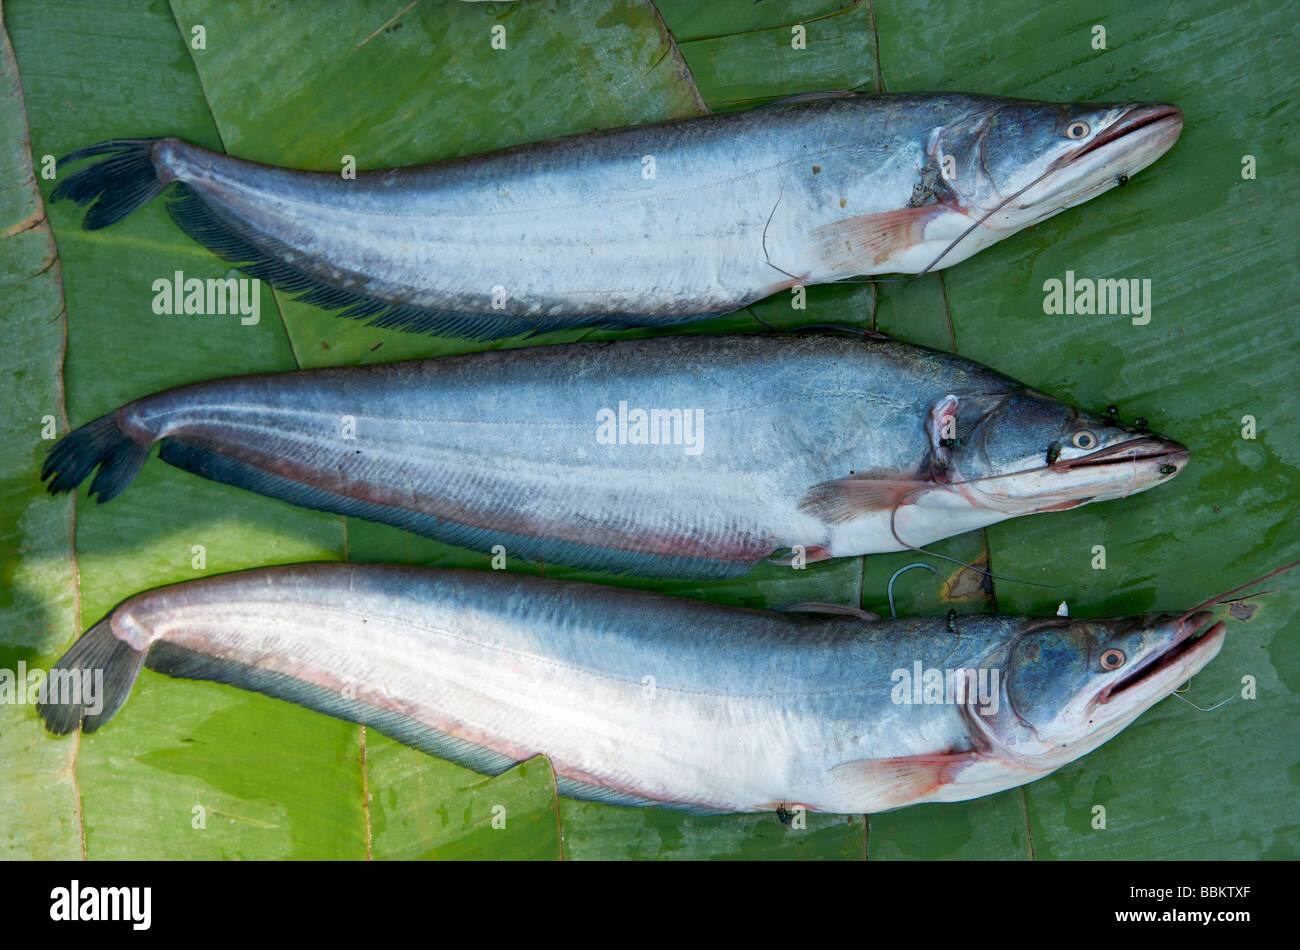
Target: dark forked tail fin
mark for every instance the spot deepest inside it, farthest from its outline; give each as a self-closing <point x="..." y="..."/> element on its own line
<point x="117" y="184"/>
<point x="100" y="444"/>
<point x="90" y="682"/>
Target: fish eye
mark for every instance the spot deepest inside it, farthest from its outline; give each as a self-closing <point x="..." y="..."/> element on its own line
<point x="1077" y="129"/>
<point x="1112" y="659"/>
<point x="1084" y="440"/>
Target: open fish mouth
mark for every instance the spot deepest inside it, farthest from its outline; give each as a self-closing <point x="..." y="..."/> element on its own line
<point x="1143" y="126"/>
<point x="1194" y="646"/>
<point x="1130" y="453"/>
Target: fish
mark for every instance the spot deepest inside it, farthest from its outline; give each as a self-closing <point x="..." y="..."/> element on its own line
<point x="687" y="456"/>
<point x="647" y="225"/>
<point x="643" y="699"/>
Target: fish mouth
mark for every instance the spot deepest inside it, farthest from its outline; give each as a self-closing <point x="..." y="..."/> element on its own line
<point x="1194" y="645"/>
<point x="1113" y="472"/>
<point x="1144" y="133"/>
<point x="1131" y="452"/>
<point x="1147" y="125"/>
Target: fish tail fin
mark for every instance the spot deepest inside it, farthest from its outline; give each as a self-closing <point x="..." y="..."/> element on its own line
<point x="117" y="184"/>
<point x="100" y="444"/>
<point x="90" y="682"/>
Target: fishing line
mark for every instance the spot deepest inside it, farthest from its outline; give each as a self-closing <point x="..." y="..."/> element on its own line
<point x="845" y="328"/>
<point x="893" y="515"/>
<point x="892" y="612"/>
<point x="1227" y="598"/>
<point x="944" y="253"/>
<point x="761" y="320"/>
<point x="766" y="256"/>
<point x="961" y="237"/>
<point x="1187" y="686"/>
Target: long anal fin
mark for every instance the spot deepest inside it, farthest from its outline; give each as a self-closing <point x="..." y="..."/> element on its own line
<point x="233" y="471"/>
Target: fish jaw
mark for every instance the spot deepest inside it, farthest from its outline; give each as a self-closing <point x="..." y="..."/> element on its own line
<point x="942" y="510"/>
<point x="1140" y="136"/>
<point x="1116" y="471"/>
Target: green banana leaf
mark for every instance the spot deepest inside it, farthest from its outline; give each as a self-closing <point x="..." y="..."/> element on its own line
<point x="196" y="770"/>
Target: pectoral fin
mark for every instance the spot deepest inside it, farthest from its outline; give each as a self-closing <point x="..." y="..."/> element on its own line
<point x="858" y="245"/>
<point x="847" y="498"/>
<point x="892" y="783"/>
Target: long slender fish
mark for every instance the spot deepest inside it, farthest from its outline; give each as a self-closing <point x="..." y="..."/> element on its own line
<point x="645" y="699"/>
<point x="647" y="225"/>
<point x="687" y="456"/>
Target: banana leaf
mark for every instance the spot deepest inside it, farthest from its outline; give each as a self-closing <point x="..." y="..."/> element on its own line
<point x="195" y="770"/>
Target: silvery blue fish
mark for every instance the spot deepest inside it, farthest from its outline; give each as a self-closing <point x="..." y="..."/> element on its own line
<point x="582" y="230"/>
<point x="680" y="456"/>
<point x="644" y="699"/>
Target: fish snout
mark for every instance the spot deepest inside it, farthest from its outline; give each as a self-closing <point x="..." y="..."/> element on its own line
<point x="1175" y="458"/>
<point x="1145" y="129"/>
<point x="1165" y="455"/>
<point x="1191" y="624"/>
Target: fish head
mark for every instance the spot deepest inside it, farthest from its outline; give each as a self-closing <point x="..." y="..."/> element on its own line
<point x="1026" y="452"/>
<point x="1019" y="162"/>
<point x="1070" y="685"/>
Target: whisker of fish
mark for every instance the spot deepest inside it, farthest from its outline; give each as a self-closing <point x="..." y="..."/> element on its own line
<point x="1182" y="689"/>
<point x="893" y="529"/>
<point x="961" y="237"/>
<point x="761" y="320"/>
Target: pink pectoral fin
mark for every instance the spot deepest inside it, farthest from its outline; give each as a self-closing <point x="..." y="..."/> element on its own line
<point x="892" y="783"/>
<point x="857" y="245"/>
<point x="845" y="499"/>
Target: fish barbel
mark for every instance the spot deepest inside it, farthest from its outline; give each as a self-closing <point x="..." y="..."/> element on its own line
<point x="645" y="699"/>
<point x="682" y="456"/>
<point x="645" y="225"/>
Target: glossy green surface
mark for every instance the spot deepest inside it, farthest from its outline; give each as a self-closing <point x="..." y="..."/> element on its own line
<point x="39" y="811"/>
<point x="305" y="84"/>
